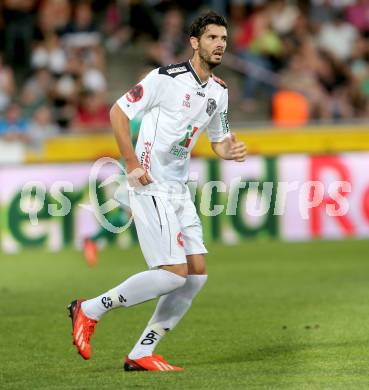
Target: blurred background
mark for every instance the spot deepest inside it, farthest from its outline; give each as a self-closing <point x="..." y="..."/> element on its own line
<point x="65" y="61"/>
<point x="277" y="312"/>
<point x="298" y="79"/>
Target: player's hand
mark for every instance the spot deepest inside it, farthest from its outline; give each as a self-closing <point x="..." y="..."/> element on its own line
<point x="137" y="176"/>
<point x="238" y="150"/>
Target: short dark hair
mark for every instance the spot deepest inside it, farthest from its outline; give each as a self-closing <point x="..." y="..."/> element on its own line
<point x="198" y="26"/>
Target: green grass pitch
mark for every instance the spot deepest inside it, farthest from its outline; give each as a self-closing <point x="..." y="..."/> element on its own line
<point x="272" y="316"/>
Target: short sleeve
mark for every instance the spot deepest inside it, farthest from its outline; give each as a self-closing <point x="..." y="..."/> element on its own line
<point x="218" y="127"/>
<point x="143" y="96"/>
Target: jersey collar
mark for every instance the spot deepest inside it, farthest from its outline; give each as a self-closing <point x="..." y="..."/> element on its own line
<point x="194" y="74"/>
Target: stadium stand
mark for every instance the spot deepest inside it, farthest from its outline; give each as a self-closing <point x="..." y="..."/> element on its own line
<point x="66" y="61"/>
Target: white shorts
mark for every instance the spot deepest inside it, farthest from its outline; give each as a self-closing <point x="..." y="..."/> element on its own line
<point x="167" y="229"/>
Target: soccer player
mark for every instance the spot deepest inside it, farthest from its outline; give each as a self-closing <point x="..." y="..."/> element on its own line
<point x="178" y="102"/>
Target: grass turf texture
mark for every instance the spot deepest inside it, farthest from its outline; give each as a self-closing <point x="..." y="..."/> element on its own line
<point x="273" y="315"/>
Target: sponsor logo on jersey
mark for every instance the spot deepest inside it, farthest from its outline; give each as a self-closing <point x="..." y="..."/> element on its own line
<point x="211" y="106"/>
<point x="191" y="131"/>
<point x="186" y="101"/>
<point x="177" y="69"/>
<point x="200" y="94"/>
<point x="180" y="239"/>
<point x="224" y="121"/>
<point x="181" y="150"/>
<point x="135" y="93"/>
<point x="145" y="156"/>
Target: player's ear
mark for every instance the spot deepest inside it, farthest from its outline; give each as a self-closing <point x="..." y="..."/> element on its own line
<point x="194" y="43"/>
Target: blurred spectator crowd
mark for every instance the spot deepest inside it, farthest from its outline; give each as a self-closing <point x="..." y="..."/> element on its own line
<point x="309" y="57"/>
<point x="52" y="69"/>
<point x="319" y="50"/>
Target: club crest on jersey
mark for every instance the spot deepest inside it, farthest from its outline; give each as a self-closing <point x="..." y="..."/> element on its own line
<point x="186" y="101"/>
<point x="211" y="107"/>
<point x="135" y="93"/>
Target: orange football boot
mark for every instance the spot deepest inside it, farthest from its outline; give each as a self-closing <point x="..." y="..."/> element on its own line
<point x="149" y="363"/>
<point x="83" y="328"/>
<point x="90" y="251"/>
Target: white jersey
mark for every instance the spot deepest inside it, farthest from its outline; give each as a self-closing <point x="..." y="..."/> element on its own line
<point x="176" y="107"/>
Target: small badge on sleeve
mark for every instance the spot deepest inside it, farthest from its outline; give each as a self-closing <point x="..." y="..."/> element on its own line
<point x="135" y="93"/>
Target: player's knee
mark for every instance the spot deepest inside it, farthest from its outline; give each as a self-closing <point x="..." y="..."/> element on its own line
<point x="178" y="269"/>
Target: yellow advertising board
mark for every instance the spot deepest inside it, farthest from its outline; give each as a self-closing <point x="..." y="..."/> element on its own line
<point x="267" y="142"/>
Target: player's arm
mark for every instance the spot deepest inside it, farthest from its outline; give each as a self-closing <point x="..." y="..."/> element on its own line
<point x="223" y="142"/>
<point x="230" y="149"/>
<point x="139" y="99"/>
<point x="120" y="124"/>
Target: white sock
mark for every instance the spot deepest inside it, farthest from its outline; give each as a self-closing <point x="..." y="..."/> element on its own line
<point x="147" y="342"/>
<point x="136" y="289"/>
<point x="169" y="311"/>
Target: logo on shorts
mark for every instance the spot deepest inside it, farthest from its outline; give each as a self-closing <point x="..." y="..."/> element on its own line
<point x="135" y="93"/>
<point x="180" y="239"/>
<point x="211" y="107"/>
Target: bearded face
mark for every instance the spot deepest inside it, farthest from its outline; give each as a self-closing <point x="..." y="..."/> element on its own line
<point x="212" y="44"/>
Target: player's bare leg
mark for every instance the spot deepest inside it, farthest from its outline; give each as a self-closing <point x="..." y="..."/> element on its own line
<point x="178" y="269"/>
<point x="169" y="311"/>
